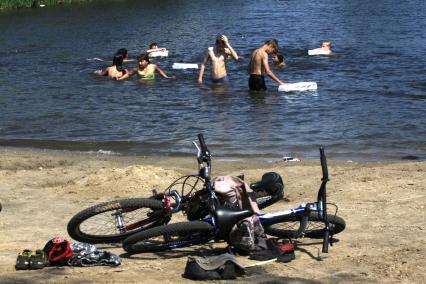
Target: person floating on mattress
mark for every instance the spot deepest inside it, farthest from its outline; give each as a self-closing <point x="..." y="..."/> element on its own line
<point x="259" y="64"/>
<point x="145" y="70"/>
<point x="325" y="49"/>
<point x="153" y="47"/>
<point x="218" y="54"/>
<point x="278" y="61"/>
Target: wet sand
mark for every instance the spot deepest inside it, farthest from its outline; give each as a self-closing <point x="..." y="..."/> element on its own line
<point x="383" y="204"/>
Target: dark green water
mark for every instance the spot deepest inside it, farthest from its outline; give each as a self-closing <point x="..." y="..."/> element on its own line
<point x="369" y="105"/>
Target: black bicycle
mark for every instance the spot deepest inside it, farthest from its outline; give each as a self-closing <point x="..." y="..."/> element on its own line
<point x="307" y="220"/>
<point x="112" y="222"/>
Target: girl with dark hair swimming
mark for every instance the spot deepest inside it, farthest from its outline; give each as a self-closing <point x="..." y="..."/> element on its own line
<point x="115" y="71"/>
<point x="146" y="70"/>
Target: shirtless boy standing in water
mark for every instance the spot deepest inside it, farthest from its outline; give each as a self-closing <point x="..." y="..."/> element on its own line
<point x="259" y="62"/>
<point x="218" y="55"/>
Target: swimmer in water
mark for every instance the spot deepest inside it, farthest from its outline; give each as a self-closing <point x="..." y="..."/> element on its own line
<point x="153" y="47"/>
<point x="325" y="48"/>
<point x="259" y="64"/>
<point x="278" y="61"/>
<point x="218" y="55"/>
<point x="123" y="52"/>
<point x="115" y="71"/>
<point x="145" y="70"/>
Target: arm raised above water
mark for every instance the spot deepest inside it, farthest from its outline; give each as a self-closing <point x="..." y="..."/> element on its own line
<point x="229" y="50"/>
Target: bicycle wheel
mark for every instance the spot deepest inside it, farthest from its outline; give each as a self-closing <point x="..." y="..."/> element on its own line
<point x="290" y="227"/>
<point x="315" y="227"/>
<point x="100" y="223"/>
<point x="308" y="226"/>
<point x="169" y="237"/>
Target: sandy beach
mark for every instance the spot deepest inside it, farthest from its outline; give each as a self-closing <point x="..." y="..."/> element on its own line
<point x="383" y="204"/>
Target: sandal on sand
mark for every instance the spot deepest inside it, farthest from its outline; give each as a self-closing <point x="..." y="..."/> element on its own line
<point x="38" y="260"/>
<point x="23" y="259"/>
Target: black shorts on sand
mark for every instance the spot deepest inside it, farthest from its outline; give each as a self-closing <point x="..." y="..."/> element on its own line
<point x="257" y="82"/>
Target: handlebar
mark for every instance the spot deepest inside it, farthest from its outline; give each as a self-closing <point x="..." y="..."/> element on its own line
<point x="322" y="201"/>
<point x="323" y="164"/>
<point x="205" y="153"/>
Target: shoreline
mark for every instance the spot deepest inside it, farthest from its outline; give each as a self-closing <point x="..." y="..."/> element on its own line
<point x="238" y="157"/>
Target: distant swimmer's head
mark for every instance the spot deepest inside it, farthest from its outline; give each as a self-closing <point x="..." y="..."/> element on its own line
<point x="122" y="52"/>
<point x="277" y="58"/>
<point x="117" y="61"/>
<point x="143" y="60"/>
<point x="153" y="45"/>
<point x="326" y="44"/>
<point x="272" y="46"/>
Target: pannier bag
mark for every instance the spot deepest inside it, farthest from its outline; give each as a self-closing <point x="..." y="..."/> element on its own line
<point x="248" y="234"/>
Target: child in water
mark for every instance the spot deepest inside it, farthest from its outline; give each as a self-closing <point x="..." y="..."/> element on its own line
<point x="278" y="61"/>
<point x="153" y="47"/>
<point x="115" y="71"/>
<point x="123" y="52"/>
<point x="145" y="70"/>
<point x="324" y="49"/>
<point x="218" y="55"/>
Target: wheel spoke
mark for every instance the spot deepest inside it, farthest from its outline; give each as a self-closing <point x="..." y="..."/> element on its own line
<point x="105" y="223"/>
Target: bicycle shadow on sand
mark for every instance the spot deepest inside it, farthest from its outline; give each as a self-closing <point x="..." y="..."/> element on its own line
<point x="178" y="253"/>
<point x="319" y="256"/>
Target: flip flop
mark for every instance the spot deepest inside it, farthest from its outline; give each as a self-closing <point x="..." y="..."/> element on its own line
<point x="38" y="260"/>
<point x="23" y="260"/>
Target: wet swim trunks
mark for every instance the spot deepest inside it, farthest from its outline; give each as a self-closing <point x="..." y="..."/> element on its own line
<point x="222" y="80"/>
<point x="257" y="82"/>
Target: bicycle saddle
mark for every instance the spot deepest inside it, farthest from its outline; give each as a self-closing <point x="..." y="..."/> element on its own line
<point x="226" y="218"/>
<point x="271" y="182"/>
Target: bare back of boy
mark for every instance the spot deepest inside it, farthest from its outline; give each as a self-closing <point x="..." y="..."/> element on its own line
<point x="256" y="62"/>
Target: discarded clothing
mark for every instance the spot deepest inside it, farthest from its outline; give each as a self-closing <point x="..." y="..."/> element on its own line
<point x="218" y="267"/>
<point x="89" y="255"/>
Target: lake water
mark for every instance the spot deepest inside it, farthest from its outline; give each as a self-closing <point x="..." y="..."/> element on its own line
<point x="370" y="103"/>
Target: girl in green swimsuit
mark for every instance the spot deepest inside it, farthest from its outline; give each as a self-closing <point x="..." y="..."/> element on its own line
<point x="145" y="70"/>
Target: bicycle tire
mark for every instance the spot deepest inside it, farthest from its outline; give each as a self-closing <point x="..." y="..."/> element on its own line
<point x="101" y="217"/>
<point x="188" y="233"/>
<point x="311" y="226"/>
<point x="315" y="227"/>
<point x="289" y="227"/>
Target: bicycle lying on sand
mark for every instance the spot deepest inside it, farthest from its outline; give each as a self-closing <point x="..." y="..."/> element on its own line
<point x="112" y="222"/>
<point x="308" y="220"/>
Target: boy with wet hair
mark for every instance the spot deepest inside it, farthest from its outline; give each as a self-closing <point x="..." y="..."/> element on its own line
<point x="278" y="61"/>
<point x="259" y="65"/>
<point x="325" y="49"/>
<point x="218" y="54"/>
<point x="153" y="47"/>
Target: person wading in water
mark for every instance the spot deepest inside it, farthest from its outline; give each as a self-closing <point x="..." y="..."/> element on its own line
<point x="259" y="62"/>
<point x="218" y="55"/>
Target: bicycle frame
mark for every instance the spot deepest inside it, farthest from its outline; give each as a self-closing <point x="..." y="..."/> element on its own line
<point x="319" y="206"/>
